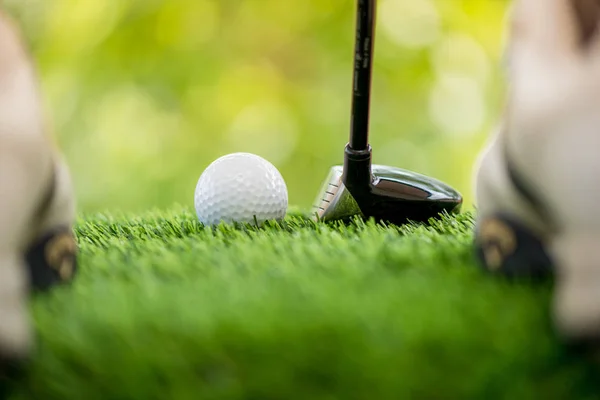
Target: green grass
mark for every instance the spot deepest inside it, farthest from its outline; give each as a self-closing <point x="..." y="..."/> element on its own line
<point x="164" y="308"/>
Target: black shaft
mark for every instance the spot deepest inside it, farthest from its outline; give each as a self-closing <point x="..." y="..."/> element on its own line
<point x="363" y="64"/>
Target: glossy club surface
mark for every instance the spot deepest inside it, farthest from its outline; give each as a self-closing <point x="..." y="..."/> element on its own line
<point x="394" y="195"/>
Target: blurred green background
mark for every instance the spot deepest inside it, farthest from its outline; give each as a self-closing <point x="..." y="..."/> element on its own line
<point x="144" y="94"/>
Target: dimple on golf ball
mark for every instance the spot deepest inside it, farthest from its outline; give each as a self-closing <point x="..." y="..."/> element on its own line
<point x="240" y="188"/>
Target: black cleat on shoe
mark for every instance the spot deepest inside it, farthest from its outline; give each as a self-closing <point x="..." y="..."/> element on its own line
<point x="52" y="260"/>
<point x="504" y="246"/>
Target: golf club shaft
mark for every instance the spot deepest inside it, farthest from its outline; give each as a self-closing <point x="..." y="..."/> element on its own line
<point x="363" y="61"/>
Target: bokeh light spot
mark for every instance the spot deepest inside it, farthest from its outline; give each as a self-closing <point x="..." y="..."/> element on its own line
<point x="245" y="84"/>
<point x="410" y="23"/>
<point x="187" y="24"/>
<point x="461" y="54"/>
<point x="78" y="25"/>
<point x="126" y="141"/>
<point x="457" y="105"/>
<point x="267" y="129"/>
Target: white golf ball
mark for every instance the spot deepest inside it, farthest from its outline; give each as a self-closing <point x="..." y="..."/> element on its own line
<point x="240" y="187"/>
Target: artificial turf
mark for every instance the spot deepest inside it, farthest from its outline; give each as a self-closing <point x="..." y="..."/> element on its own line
<point x="164" y="308"/>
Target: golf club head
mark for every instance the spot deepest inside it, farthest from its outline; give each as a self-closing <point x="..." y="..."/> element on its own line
<point x="395" y="195"/>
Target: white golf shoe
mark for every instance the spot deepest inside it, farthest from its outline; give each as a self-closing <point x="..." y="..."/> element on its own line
<point x="37" y="246"/>
<point x="538" y="180"/>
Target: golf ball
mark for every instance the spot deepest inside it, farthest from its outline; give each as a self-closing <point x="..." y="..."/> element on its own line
<point x="240" y="187"/>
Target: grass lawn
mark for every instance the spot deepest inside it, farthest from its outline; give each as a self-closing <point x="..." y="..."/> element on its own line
<point x="166" y="309"/>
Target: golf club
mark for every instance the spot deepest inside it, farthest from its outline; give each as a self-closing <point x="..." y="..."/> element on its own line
<point x="359" y="188"/>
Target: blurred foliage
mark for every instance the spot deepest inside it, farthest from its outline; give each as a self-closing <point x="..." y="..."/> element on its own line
<point x="144" y="94"/>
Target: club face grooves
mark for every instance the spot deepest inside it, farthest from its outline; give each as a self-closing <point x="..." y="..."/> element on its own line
<point x="334" y="201"/>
